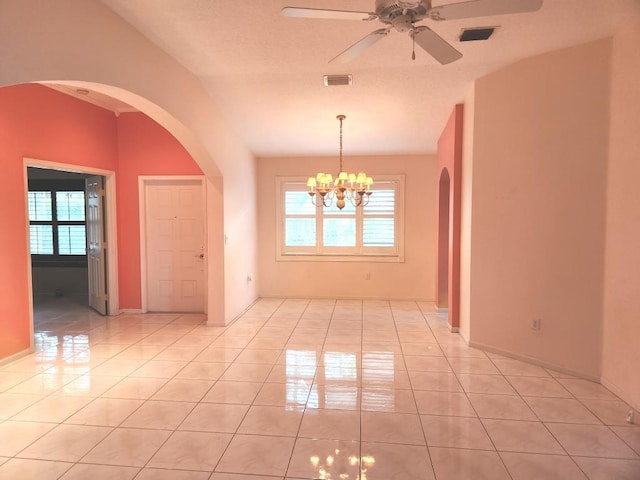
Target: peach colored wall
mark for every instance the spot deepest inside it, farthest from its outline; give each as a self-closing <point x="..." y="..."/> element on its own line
<point x="240" y="233"/>
<point x="144" y="148"/>
<point x="466" y="203"/>
<point x="621" y="338"/>
<point x="539" y="185"/>
<point x="87" y="44"/>
<point x="450" y="158"/>
<point x="413" y="279"/>
<point x="37" y="122"/>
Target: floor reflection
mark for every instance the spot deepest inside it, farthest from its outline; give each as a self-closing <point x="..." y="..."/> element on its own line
<point x="294" y="389"/>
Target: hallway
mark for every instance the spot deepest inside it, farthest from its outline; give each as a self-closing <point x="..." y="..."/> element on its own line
<point x="297" y="389"/>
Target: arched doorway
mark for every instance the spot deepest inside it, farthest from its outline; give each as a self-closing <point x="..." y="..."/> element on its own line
<point x="442" y="284"/>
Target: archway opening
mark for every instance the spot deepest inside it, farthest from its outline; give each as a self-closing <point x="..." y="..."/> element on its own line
<point x="442" y="284"/>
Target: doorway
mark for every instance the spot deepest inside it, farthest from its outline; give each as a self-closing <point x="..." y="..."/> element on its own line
<point x="172" y="244"/>
<point x="444" y="241"/>
<point x="58" y="268"/>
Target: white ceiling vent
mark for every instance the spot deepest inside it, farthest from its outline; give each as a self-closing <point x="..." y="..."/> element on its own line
<point x="337" y="80"/>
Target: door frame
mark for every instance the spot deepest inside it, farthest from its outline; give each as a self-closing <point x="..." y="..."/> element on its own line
<point x="143" y="182"/>
<point x="110" y="221"/>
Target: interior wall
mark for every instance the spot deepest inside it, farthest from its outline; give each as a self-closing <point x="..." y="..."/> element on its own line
<point x="240" y="236"/>
<point x="412" y="279"/>
<point x="621" y="336"/>
<point x="87" y="44"/>
<point x="60" y="281"/>
<point x="539" y="193"/>
<point x="38" y="123"/>
<point x="450" y="159"/>
<point x="144" y="148"/>
<point x="466" y="202"/>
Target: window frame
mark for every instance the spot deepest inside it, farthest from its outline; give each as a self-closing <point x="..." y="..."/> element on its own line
<point x="359" y="253"/>
<point x="55" y="259"/>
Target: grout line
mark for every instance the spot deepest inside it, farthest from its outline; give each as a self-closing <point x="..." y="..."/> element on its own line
<point x="117" y="329"/>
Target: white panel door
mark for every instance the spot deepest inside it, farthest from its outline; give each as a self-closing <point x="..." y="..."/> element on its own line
<point x="96" y="244"/>
<point x="175" y="246"/>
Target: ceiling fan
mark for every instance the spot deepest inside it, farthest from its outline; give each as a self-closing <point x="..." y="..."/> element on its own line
<point x="403" y="16"/>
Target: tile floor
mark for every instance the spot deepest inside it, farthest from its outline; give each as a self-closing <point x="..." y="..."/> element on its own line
<point x="297" y="389"/>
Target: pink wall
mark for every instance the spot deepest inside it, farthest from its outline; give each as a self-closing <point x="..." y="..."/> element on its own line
<point x="412" y="279"/>
<point x="448" y="256"/>
<point x="621" y="336"/>
<point x="539" y="196"/>
<point x="39" y="123"/>
<point x="144" y="148"/>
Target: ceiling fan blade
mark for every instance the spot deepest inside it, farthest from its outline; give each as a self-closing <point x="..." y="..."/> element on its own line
<point x="435" y="45"/>
<point x="483" y="8"/>
<point x="360" y="46"/>
<point x="297" y="12"/>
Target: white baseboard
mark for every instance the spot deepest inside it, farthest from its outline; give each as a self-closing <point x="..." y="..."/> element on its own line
<point x="233" y="320"/>
<point x="620" y="393"/>
<point x="534" y="361"/>
<point x="16" y="356"/>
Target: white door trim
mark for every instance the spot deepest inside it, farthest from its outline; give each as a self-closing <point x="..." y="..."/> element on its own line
<point x="111" y="223"/>
<point x="143" y="181"/>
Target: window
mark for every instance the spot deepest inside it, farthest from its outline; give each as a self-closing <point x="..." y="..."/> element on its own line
<point x="306" y="230"/>
<point x="56" y="223"/>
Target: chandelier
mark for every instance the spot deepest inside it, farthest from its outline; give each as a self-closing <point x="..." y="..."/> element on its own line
<point x="356" y="188"/>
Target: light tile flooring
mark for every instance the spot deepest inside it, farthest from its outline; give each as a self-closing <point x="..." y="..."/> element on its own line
<point x="297" y="389"/>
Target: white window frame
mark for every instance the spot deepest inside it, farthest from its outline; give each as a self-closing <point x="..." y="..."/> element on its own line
<point x="340" y="254"/>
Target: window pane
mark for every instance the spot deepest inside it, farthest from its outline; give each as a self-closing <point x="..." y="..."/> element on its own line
<point x="348" y="209"/>
<point x="298" y="203"/>
<point x="339" y="232"/>
<point x="71" y="240"/>
<point x="300" y="232"/>
<point x="378" y="232"/>
<point x="41" y="239"/>
<point x="70" y="206"/>
<point x="381" y="202"/>
<point x="39" y="206"/>
<point x="340" y="366"/>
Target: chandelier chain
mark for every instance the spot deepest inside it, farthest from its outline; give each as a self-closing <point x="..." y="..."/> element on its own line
<point x="341" y="118"/>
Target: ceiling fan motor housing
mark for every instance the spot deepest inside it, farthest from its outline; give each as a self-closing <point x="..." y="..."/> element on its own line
<point x="402" y="15"/>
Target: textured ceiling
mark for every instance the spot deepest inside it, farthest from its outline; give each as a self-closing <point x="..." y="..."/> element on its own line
<point x="265" y="71"/>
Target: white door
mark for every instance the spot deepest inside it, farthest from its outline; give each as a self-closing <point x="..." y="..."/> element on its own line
<point x="175" y="238"/>
<point x="96" y="244"/>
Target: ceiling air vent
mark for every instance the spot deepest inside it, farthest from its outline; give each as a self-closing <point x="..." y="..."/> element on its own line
<point x="474" y="34"/>
<point x="337" y="80"/>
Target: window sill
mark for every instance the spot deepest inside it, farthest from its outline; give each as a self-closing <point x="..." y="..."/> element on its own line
<point x="312" y="257"/>
<point x="75" y="262"/>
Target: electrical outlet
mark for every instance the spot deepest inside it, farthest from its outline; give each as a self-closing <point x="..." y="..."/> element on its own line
<point x="367" y="276"/>
<point x="535" y="324"/>
<point x="249" y="279"/>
